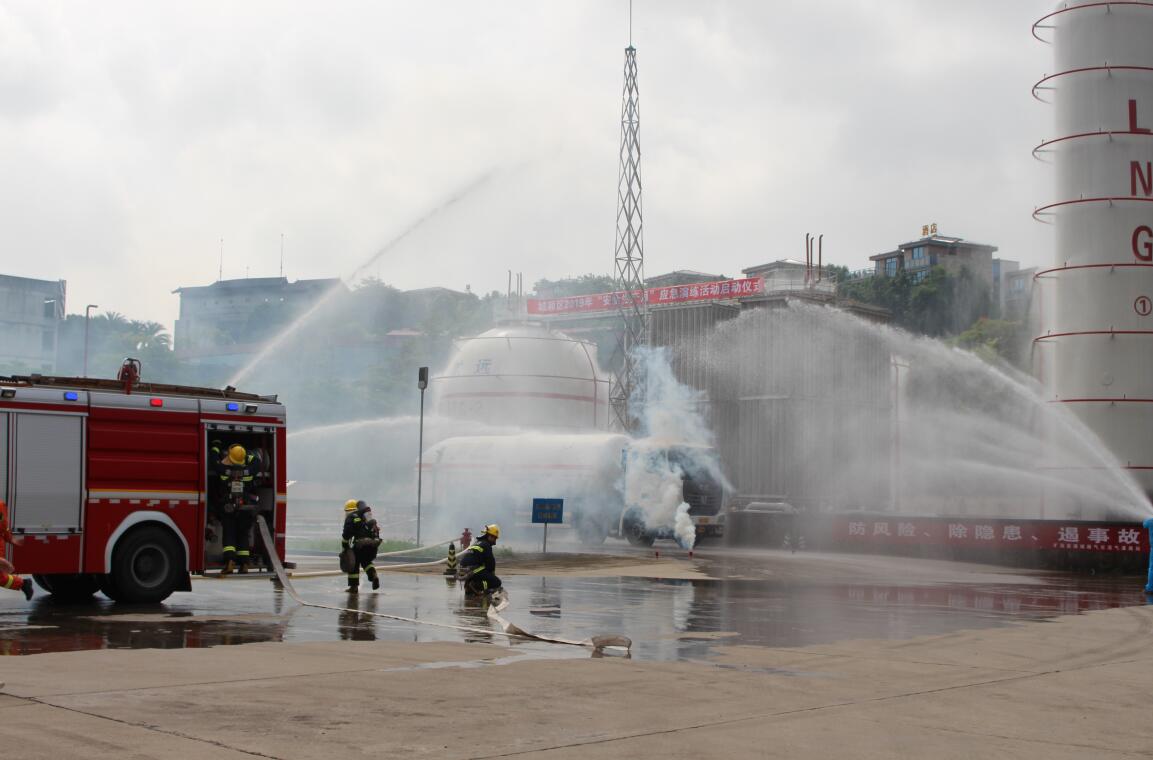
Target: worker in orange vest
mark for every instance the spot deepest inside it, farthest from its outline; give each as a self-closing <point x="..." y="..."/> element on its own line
<point x="8" y="576"/>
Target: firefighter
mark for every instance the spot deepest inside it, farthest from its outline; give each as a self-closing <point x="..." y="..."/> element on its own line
<point x="8" y="576"/>
<point x="236" y="473"/>
<point x="478" y="565"/>
<point x="361" y="536"/>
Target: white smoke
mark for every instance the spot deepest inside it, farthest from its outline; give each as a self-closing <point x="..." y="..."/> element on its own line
<point x="684" y="529"/>
<point x="666" y="408"/>
<point x="654" y="487"/>
<point x="670" y="417"/>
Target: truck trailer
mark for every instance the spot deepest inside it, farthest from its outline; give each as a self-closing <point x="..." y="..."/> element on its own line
<point x="495" y="478"/>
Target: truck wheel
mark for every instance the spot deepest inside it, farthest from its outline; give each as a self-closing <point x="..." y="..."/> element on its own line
<point x="70" y="587"/>
<point x="146" y="566"/>
<point x="636" y="534"/>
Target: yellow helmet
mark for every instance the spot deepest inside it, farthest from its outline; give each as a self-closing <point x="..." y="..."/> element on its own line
<point x="237" y="454"/>
<point x="350" y="505"/>
<point x="492" y="530"/>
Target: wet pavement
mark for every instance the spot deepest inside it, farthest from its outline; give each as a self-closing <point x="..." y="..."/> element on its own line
<point x="667" y="619"/>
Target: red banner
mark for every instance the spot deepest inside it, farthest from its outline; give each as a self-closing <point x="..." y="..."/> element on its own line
<point x="993" y="533"/>
<point x="698" y="291"/>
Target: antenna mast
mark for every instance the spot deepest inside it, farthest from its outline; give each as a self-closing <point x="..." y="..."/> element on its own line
<point x="629" y="254"/>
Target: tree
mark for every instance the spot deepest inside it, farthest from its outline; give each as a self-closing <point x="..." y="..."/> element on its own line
<point x="836" y="273"/>
<point x="936" y="304"/>
<point x="584" y="285"/>
<point x="996" y="339"/>
<point x="111" y="337"/>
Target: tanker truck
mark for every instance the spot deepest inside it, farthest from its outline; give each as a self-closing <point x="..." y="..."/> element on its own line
<point x="612" y="484"/>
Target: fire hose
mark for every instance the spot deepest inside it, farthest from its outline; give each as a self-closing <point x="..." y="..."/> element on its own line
<point x="598" y="643"/>
<point x="332" y="573"/>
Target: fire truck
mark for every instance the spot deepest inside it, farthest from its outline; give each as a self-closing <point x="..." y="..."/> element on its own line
<point x="108" y="480"/>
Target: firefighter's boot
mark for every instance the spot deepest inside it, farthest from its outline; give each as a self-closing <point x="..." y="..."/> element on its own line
<point x="26" y="587"/>
<point x="373" y="576"/>
<point x="353" y="583"/>
<point x="242" y="558"/>
<point x="229" y="561"/>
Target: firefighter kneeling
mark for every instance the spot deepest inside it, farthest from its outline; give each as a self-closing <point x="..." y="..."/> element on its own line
<point x="478" y="565"/>
<point x="359" y="543"/>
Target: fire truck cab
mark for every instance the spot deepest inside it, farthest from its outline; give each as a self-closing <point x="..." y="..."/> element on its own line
<point x="108" y="481"/>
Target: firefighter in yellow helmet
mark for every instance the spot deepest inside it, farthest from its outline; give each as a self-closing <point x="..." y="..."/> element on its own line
<point x="359" y="542"/>
<point x="478" y="565"/>
<point x="237" y="504"/>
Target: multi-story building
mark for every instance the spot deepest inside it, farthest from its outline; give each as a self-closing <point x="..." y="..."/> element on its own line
<point x="30" y="315"/>
<point x="241" y="313"/>
<point x="1017" y="293"/>
<point x="1002" y="269"/>
<point x="953" y="254"/>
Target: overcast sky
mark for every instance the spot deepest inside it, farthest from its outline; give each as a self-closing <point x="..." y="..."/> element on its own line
<point x="135" y="135"/>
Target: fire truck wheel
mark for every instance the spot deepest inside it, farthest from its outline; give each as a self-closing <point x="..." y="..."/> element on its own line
<point x="146" y="566"/>
<point x="69" y="587"/>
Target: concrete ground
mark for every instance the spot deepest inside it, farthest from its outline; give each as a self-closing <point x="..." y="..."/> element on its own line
<point x="1073" y="686"/>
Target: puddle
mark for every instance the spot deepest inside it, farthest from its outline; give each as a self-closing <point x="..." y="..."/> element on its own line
<point x="669" y="619"/>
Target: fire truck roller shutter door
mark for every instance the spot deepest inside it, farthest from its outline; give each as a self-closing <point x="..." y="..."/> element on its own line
<point x="49" y="472"/>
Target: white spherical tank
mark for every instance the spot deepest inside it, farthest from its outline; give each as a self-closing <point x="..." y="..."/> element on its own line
<point x="524" y="376"/>
<point x="1094" y="349"/>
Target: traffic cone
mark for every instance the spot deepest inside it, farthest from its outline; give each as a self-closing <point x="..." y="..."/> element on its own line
<point x="450" y="563"/>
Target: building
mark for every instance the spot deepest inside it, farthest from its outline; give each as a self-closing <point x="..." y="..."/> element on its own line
<point x="953" y="254"/>
<point x="792" y="276"/>
<point x="240" y="313"/>
<point x="30" y="315"/>
<point x="682" y="277"/>
<point x="1017" y="293"/>
<point x="1002" y="269"/>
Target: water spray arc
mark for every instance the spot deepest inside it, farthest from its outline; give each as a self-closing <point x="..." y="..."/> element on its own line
<point x="453" y="198"/>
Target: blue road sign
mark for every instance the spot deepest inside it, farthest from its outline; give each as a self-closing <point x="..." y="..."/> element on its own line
<point x="547" y="511"/>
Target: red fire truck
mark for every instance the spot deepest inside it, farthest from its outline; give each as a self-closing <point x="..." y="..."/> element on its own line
<point x="107" y="480"/>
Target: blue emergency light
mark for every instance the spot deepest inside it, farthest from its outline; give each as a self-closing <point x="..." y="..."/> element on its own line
<point x="233" y="406"/>
<point x="71" y="395"/>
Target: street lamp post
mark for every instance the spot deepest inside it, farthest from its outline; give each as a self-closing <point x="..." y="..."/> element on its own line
<point x="422" y="383"/>
<point x="87" y="314"/>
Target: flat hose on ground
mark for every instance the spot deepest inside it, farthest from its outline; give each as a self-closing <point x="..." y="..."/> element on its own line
<point x="507" y="628"/>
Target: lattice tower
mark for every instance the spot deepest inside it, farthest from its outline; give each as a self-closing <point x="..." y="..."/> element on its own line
<point x="630" y="258"/>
